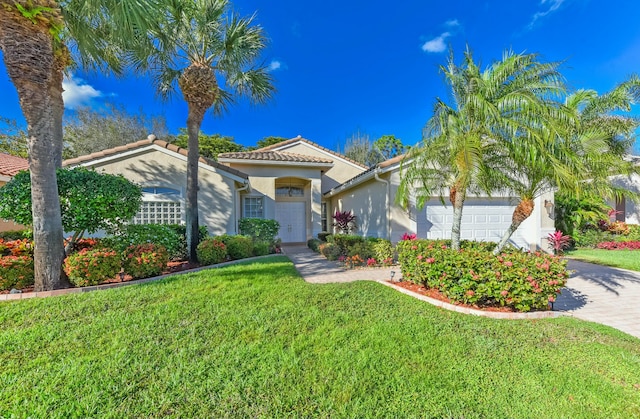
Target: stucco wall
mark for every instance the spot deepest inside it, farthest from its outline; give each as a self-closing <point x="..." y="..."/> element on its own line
<point x="6" y="225"/>
<point x="157" y="168"/>
<point x="631" y="210"/>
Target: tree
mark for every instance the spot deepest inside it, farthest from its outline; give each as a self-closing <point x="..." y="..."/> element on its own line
<point x="359" y="148"/>
<point x="90" y="201"/>
<point x="34" y="35"/>
<point x="89" y="130"/>
<point x="13" y="140"/>
<point x="389" y="146"/>
<point x="210" y="145"/>
<point x="271" y="140"/>
<point x="210" y="54"/>
<point x="461" y="138"/>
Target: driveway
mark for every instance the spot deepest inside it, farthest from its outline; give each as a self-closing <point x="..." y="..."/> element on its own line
<point x="604" y="295"/>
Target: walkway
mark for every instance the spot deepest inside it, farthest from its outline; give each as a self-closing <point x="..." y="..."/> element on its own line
<point x="595" y="293"/>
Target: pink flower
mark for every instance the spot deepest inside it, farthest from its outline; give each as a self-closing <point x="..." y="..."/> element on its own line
<point x="508" y="263"/>
<point x="470" y="293"/>
<point x="504" y="293"/>
<point x="552" y="299"/>
<point x="419" y="257"/>
<point x="430" y="260"/>
<point x="414" y="247"/>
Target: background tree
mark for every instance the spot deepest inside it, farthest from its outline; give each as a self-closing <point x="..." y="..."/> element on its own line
<point x="34" y="36"/>
<point x="461" y="138"/>
<point x="91" y="201"/>
<point x="209" y="53"/>
<point x="359" y="148"/>
<point x="210" y="145"/>
<point x="389" y="146"/>
<point x="88" y="130"/>
<point x="13" y="140"/>
<point x="271" y="140"/>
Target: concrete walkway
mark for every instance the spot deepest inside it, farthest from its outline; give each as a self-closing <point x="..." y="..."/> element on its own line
<point x="595" y="293"/>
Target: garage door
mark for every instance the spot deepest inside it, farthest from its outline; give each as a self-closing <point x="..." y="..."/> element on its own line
<point x="482" y="219"/>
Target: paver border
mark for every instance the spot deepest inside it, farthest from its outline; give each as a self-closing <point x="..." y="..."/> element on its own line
<point x="66" y="291"/>
<point x="474" y="312"/>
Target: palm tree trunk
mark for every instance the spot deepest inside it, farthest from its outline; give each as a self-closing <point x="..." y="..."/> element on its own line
<point x="194" y="122"/>
<point x="28" y="55"/>
<point x="457" y="197"/>
<point x="521" y="213"/>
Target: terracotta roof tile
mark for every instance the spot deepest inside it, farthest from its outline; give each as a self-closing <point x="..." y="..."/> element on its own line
<point x="304" y="140"/>
<point x="146" y="142"/>
<point x="276" y="156"/>
<point x="10" y="165"/>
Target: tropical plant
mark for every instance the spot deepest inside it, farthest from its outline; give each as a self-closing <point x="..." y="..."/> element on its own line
<point x="559" y="241"/>
<point x="145" y="260"/>
<point x="210" y="145"/>
<point x="462" y="140"/>
<point x="90" y="267"/>
<point x="345" y="221"/>
<point x="209" y="54"/>
<point x="34" y="35"/>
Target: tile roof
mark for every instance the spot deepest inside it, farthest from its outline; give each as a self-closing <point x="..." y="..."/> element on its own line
<point x="304" y="140"/>
<point x="10" y="165"/>
<point x="275" y="156"/>
<point x="151" y="139"/>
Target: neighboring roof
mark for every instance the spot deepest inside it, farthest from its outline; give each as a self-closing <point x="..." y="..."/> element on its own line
<point x="10" y="165"/>
<point x="276" y="156"/>
<point x="299" y="139"/>
<point x="150" y="140"/>
<point x="382" y="167"/>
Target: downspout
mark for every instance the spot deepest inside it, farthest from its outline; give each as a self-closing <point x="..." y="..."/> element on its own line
<point x="236" y="198"/>
<point x="386" y="201"/>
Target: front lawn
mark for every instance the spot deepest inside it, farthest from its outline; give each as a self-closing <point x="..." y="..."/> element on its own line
<point x="254" y="340"/>
<point x="626" y="259"/>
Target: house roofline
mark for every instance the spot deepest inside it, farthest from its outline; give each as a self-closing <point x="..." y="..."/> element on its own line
<point x="380" y="168"/>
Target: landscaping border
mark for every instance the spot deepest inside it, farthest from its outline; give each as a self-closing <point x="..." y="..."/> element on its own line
<point x="80" y="290"/>
<point x="474" y="312"/>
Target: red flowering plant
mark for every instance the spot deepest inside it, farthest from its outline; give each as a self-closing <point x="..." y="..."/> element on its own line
<point x="629" y="245"/>
<point x="559" y="241"/>
<point x="353" y="261"/>
<point x="145" y="260"/>
<point x="211" y="251"/>
<point x="344" y="221"/>
<point x="16" y="272"/>
<point x="409" y="236"/>
<point x="473" y="275"/>
<point x="371" y="262"/>
<point x="22" y="247"/>
<point x="90" y="267"/>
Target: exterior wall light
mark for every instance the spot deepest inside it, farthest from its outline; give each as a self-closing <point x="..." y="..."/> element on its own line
<point x="548" y="205"/>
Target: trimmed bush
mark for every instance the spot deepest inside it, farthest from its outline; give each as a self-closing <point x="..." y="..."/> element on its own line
<point x="163" y="235"/>
<point x="346" y="241"/>
<point x="145" y="260"/>
<point x="363" y="249"/>
<point x="90" y="267"/>
<point x="322" y="236"/>
<point x="16" y="272"/>
<point x="521" y="280"/>
<point x="261" y="248"/>
<point x="16" y="235"/>
<point x="313" y="244"/>
<point x="384" y="252"/>
<point x="211" y="251"/>
<point x="238" y="247"/>
<point x="329" y="250"/>
<point x="259" y="229"/>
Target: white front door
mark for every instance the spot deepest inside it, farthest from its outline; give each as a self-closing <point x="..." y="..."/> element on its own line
<point x="291" y="216"/>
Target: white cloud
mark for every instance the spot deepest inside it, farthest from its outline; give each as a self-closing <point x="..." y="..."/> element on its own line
<point x="452" y="23"/>
<point x="78" y="93"/>
<point x="436" y="44"/>
<point x="276" y="65"/>
<point x="552" y="6"/>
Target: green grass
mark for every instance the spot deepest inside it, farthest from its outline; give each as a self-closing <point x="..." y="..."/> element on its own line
<point x="626" y="259"/>
<point x="255" y="340"/>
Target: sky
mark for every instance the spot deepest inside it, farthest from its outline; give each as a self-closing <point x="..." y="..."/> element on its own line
<point x="342" y="67"/>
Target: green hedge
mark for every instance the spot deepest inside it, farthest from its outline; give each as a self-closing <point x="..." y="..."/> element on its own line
<point x="211" y="251"/>
<point x="521" y="280"/>
<point x="259" y="229"/>
<point x="238" y="246"/>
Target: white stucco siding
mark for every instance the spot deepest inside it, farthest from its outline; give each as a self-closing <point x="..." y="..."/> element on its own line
<point x="631" y="209"/>
<point x="368" y="204"/>
<point x="158" y="168"/>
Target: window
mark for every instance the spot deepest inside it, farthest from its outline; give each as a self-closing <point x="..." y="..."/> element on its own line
<point x="253" y="207"/>
<point x="323" y="216"/>
<point x="289" y="191"/>
<point x="159" y="206"/>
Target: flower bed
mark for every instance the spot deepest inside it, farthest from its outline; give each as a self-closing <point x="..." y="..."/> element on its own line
<point x="521" y="280"/>
<point x="629" y="245"/>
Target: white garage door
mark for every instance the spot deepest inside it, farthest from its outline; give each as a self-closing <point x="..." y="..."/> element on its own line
<point x="483" y="219"/>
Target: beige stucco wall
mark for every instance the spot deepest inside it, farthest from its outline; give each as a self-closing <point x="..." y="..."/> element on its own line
<point x="341" y="171"/>
<point x="158" y="168"/>
<point x="6" y="225"/>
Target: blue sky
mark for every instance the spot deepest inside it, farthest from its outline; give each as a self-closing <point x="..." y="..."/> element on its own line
<point x="372" y="66"/>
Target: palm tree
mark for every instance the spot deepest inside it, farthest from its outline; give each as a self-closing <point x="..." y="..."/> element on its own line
<point x="577" y="151"/>
<point x="33" y="36"/>
<point x="209" y="53"/>
<point x="462" y="139"/>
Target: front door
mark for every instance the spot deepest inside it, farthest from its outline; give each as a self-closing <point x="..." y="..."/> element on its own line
<point x="291" y="216"/>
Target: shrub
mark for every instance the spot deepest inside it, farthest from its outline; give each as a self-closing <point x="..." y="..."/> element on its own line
<point x="145" y="260"/>
<point x="182" y="233"/>
<point x="329" y="250"/>
<point x="238" y="247"/>
<point x="558" y="241"/>
<point x="322" y="236"/>
<point x="521" y="280"/>
<point x="313" y="244"/>
<point x="90" y="267"/>
<point x="384" y="251"/>
<point x="23" y="247"/>
<point x="259" y="229"/>
<point x="353" y="261"/>
<point x="16" y="235"/>
<point x="626" y="245"/>
<point x="634" y="233"/>
<point x="261" y="248"/>
<point x="16" y="272"/>
<point x="163" y="235"/>
<point x="211" y="251"/>
<point x="346" y="241"/>
<point x="591" y="237"/>
<point x="363" y="249"/>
